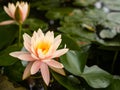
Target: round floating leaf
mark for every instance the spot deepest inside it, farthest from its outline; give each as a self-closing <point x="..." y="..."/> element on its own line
<point x="73" y="79"/>
<point x="4" y="16"/>
<point x="115" y="85"/>
<point x="96" y="16"/>
<point x="71" y="83"/>
<point x="58" y="13"/>
<point x="5" y="58"/>
<point x="33" y="24"/>
<point x="15" y="71"/>
<point x="46" y="4"/>
<point x="114" y="5"/>
<point x="112" y="42"/>
<point x="7" y="35"/>
<point x="108" y="34"/>
<point x="75" y="16"/>
<point x="67" y="40"/>
<point x="114" y="17"/>
<point x="75" y="30"/>
<point x="74" y="62"/>
<point x="84" y="2"/>
<point x="96" y="77"/>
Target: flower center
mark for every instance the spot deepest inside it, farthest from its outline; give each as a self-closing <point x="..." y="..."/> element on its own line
<point x="44" y="46"/>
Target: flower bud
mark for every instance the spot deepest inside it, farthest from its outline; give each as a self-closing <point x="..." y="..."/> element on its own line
<point x="18" y="12"/>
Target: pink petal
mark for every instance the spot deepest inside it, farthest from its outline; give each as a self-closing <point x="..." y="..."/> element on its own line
<point x="57" y="43"/>
<point x="7" y="22"/>
<point x="34" y="56"/>
<point x="34" y="52"/>
<point x="37" y="35"/>
<point x="58" y="70"/>
<point x="50" y="52"/>
<point x="40" y="54"/>
<point x="57" y="38"/>
<point x="35" y="67"/>
<point x="18" y="3"/>
<point x="25" y="9"/>
<point x="27" y="42"/>
<point x="7" y="11"/>
<point x="27" y="71"/>
<point x="54" y="46"/>
<point x="40" y="33"/>
<point x="12" y="8"/>
<point x="60" y="52"/>
<point x="34" y="37"/>
<point x="45" y="73"/>
<point x="53" y="63"/>
<point x="22" y="55"/>
<point x="49" y="36"/>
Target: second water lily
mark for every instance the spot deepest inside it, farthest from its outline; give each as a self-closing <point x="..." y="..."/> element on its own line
<point x="42" y="49"/>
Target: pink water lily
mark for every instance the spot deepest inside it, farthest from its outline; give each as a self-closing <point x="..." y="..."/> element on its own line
<point x="41" y="51"/>
<point x="18" y="12"/>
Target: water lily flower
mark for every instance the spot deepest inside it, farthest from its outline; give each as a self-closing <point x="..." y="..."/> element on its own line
<point x="41" y="53"/>
<point x="17" y="12"/>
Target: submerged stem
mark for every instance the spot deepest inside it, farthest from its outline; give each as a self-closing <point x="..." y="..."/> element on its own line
<point x="114" y="60"/>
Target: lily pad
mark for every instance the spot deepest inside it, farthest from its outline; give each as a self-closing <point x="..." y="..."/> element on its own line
<point x="96" y="77"/>
<point x="114" y="17"/>
<point x="5" y="58"/>
<point x="108" y="34"/>
<point x="46" y="4"/>
<point x="58" y="13"/>
<point x="114" y="5"/>
<point x="84" y="2"/>
<point x="111" y="42"/>
<point x="7" y="35"/>
<point x="115" y="85"/>
<point x="75" y="62"/>
<point x="33" y="24"/>
<point x="67" y="81"/>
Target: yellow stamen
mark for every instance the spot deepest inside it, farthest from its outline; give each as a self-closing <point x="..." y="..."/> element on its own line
<point x="44" y="46"/>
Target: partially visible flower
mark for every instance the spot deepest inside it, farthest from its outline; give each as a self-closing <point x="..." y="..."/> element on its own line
<point x="17" y="12"/>
<point x="42" y="49"/>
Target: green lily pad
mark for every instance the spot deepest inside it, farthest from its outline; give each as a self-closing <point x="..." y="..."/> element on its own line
<point x="67" y="81"/>
<point x="33" y="24"/>
<point x="115" y="85"/>
<point x="110" y="42"/>
<point x="84" y="2"/>
<point x="74" y="62"/>
<point x="46" y="4"/>
<point x="114" y="5"/>
<point x="114" y="17"/>
<point x="108" y="34"/>
<point x="7" y="35"/>
<point x="58" y="13"/>
<point x="15" y="71"/>
<point x="67" y="40"/>
<point x="77" y="31"/>
<point x="5" y="58"/>
<point x="96" y="77"/>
